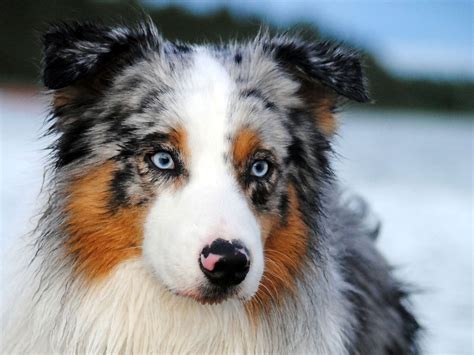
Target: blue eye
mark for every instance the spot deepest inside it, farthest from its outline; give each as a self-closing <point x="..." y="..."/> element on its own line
<point x="259" y="168"/>
<point x="163" y="161"/>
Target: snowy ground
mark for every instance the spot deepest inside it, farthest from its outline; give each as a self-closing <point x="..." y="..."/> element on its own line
<point x="416" y="172"/>
<point x="414" y="169"/>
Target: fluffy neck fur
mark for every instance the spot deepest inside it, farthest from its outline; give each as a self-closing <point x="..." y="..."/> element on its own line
<point x="130" y="313"/>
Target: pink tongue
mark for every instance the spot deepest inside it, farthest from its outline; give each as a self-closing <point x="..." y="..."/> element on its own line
<point x="209" y="262"/>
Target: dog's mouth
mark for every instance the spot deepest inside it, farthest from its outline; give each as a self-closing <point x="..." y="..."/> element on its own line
<point x="209" y="295"/>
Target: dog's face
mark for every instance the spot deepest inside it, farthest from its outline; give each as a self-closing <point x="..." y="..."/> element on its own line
<point x="204" y="161"/>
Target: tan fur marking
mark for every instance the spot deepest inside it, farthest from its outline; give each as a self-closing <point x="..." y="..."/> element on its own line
<point x="322" y="102"/>
<point x="98" y="238"/>
<point x="245" y="143"/>
<point x="179" y="138"/>
<point x="325" y="119"/>
<point x="285" y="250"/>
<point x="64" y="97"/>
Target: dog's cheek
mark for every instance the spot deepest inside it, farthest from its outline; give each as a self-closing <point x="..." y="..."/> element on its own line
<point x="100" y="237"/>
<point x="285" y="252"/>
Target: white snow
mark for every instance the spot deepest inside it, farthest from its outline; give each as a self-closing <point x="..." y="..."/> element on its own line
<point x="416" y="172"/>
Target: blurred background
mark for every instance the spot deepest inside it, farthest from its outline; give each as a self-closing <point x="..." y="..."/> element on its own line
<point x="410" y="153"/>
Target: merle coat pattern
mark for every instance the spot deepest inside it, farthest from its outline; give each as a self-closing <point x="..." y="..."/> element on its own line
<point x="121" y="94"/>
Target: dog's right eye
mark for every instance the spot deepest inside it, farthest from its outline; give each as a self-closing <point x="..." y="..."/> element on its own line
<point x="163" y="161"/>
<point x="260" y="168"/>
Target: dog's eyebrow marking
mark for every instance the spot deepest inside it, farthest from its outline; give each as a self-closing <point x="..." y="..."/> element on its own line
<point x="246" y="141"/>
<point x="178" y="136"/>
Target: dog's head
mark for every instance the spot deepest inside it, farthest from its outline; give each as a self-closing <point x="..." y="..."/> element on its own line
<point x="204" y="161"/>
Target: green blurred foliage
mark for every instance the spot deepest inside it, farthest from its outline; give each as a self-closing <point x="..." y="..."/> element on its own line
<point x="22" y="21"/>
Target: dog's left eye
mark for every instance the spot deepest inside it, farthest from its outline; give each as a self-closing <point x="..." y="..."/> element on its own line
<point x="260" y="168"/>
<point x="163" y="160"/>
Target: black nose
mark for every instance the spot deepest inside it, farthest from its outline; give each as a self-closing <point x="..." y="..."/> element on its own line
<point x="225" y="263"/>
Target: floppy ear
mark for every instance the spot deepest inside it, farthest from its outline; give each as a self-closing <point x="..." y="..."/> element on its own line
<point x="327" y="72"/>
<point x="85" y="55"/>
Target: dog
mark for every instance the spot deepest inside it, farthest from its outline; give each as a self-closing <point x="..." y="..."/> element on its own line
<point x="192" y="207"/>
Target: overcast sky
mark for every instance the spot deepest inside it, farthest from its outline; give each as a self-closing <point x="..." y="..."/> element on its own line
<point x="410" y="37"/>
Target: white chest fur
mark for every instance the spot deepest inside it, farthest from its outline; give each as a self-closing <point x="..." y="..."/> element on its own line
<point x="130" y="313"/>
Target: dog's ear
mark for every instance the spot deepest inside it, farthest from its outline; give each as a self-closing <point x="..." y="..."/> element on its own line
<point x="85" y="54"/>
<point x="327" y="73"/>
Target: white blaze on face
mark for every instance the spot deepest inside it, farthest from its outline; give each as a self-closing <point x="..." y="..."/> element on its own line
<point x="210" y="206"/>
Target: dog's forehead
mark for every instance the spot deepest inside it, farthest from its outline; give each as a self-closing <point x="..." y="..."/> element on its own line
<point x="211" y="96"/>
<point x="215" y="98"/>
<point x="203" y="101"/>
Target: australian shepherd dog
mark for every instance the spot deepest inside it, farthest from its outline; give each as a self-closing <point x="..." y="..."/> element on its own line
<point x="191" y="206"/>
